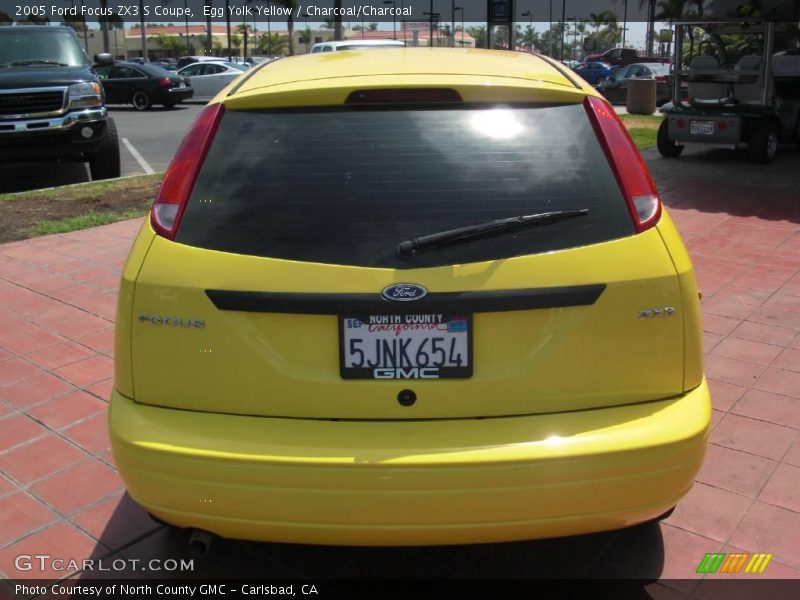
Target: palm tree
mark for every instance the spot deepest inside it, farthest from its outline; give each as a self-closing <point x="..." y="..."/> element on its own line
<point x="235" y="42"/>
<point x="306" y="37"/>
<point x="479" y="34"/>
<point x="528" y="37"/>
<point x="208" y="4"/>
<point x="580" y="29"/>
<point x="273" y="43"/>
<point x="291" y="5"/>
<point x="244" y="29"/>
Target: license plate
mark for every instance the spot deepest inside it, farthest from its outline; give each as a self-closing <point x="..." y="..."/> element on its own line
<point x="411" y="346"/>
<point x="182" y="85"/>
<point x="701" y="127"/>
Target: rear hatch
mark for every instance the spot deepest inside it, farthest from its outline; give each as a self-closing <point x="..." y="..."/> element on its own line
<point x="272" y="298"/>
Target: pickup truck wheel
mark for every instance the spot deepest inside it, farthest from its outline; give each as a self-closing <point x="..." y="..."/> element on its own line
<point x="797" y="134"/>
<point x="666" y="147"/>
<point x="763" y="143"/>
<point x="141" y="100"/>
<point x="105" y="163"/>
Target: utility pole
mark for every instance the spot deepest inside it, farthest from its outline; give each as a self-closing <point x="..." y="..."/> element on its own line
<point x="144" y="35"/>
<point x="563" y="25"/>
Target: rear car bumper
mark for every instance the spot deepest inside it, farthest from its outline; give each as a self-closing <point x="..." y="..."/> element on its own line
<point x="410" y="482"/>
<point x="172" y="94"/>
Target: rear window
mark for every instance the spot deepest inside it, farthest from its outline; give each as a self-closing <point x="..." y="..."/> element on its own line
<point x="346" y="186"/>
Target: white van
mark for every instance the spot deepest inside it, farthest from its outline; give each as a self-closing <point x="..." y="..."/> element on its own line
<point x="354" y="45"/>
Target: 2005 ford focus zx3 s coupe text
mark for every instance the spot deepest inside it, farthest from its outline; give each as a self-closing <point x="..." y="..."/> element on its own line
<point x="416" y="296"/>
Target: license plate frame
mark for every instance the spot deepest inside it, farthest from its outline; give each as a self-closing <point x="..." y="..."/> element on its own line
<point x="403" y="370"/>
<point x="701" y="127"/>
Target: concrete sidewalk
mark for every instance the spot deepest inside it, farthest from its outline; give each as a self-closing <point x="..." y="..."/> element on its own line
<point x="60" y="493"/>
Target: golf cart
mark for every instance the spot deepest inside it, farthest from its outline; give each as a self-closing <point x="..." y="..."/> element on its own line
<point x="734" y="84"/>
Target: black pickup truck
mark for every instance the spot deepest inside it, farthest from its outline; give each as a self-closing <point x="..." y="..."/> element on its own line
<point x="52" y="104"/>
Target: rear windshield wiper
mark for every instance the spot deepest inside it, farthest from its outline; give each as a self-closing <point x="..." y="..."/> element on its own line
<point x="28" y="63"/>
<point x="408" y="248"/>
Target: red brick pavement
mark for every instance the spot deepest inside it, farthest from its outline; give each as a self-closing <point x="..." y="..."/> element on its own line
<point x="60" y="494"/>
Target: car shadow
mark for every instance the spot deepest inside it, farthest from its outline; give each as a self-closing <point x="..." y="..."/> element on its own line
<point x="22" y="177"/>
<point x="112" y="108"/>
<point x="147" y="547"/>
<point x="716" y="180"/>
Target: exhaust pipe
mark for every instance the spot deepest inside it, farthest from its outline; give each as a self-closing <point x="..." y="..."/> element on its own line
<point x="200" y="542"/>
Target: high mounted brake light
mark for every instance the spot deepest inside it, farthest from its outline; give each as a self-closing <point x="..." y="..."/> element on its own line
<point x="179" y="180"/>
<point x="632" y="175"/>
<point x="403" y="96"/>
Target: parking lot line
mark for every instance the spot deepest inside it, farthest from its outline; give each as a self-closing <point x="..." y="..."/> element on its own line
<point x="139" y="158"/>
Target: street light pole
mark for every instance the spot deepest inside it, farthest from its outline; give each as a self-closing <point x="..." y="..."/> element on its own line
<point x="563" y="25"/>
<point x="452" y="41"/>
<point x="228" y="25"/>
<point x="433" y="17"/>
<point x="186" y="19"/>
<point x="461" y="8"/>
<point x="624" y="21"/>
<point x="394" y="17"/>
<point x="529" y="14"/>
<point x="430" y="26"/>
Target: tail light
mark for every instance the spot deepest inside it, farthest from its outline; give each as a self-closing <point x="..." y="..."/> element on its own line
<point x="179" y="180"/>
<point x="662" y="79"/>
<point x="632" y="175"/>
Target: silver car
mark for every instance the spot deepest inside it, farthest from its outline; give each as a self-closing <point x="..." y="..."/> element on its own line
<point x="207" y="78"/>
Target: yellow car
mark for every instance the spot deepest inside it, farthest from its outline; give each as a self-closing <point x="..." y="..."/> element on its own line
<point x="417" y="296"/>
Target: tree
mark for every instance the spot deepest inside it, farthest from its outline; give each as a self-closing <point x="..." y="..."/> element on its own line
<point x="244" y="29"/>
<point x="209" y="40"/>
<point x="236" y="43"/>
<point x="291" y="5"/>
<point x="173" y="44"/>
<point x="580" y="29"/>
<point x="373" y="26"/>
<point x="306" y="37"/>
<point x="34" y="20"/>
<point x="479" y="34"/>
<point x="274" y="43"/>
<point x="528" y="37"/>
<point x="4" y="18"/>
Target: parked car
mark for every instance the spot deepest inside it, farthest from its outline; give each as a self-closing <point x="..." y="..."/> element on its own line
<point x="615" y="88"/>
<point x="51" y="101"/>
<point x="170" y="64"/>
<point x="188" y="60"/>
<point x="355" y="45"/>
<point x="367" y="352"/>
<point x="207" y="78"/>
<point x="594" y="72"/>
<point x="257" y="60"/>
<point x="142" y="85"/>
<point x="625" y="56"/>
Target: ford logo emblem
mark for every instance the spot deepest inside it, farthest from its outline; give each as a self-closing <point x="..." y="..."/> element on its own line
<point x="404" y="292"/>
